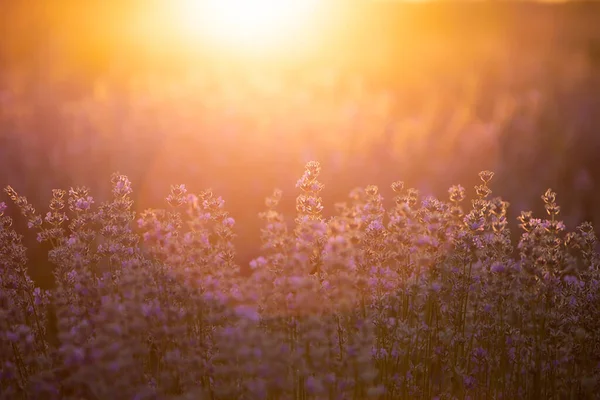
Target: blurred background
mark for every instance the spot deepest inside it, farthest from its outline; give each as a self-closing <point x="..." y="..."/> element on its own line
<point x="377" y="91"/>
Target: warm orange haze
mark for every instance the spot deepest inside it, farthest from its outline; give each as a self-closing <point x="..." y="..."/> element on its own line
<point x="206" y="91"/>
<point x="247" y="23"/>
<point x="235" y="26"/>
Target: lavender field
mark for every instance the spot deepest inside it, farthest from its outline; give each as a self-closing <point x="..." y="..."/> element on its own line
<point x="404" y="209"/>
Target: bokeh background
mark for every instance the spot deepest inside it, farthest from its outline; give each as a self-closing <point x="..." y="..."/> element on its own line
<point x="427" y="93"/>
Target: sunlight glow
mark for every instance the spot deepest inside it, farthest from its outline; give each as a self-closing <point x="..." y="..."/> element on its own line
<point x="246" y="23"/>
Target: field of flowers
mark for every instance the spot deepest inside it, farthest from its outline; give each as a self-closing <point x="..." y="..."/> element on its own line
<point x="349" y="284"/>
<point x="425" y="299"/>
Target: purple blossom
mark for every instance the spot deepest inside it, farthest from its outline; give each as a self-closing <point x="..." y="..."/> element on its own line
<point x="248" y="312"/>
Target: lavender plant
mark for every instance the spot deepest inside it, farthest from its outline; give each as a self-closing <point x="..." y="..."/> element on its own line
<point x="427" y="299"/>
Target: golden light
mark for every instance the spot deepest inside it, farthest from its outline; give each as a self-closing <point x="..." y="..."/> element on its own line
<point x="247" y="24"/>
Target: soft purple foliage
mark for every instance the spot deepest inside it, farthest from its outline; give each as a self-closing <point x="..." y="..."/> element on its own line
<point x="424" y="300"/>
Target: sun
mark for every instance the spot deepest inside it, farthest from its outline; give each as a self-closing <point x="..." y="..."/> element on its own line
<point x="246" y="23"/>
